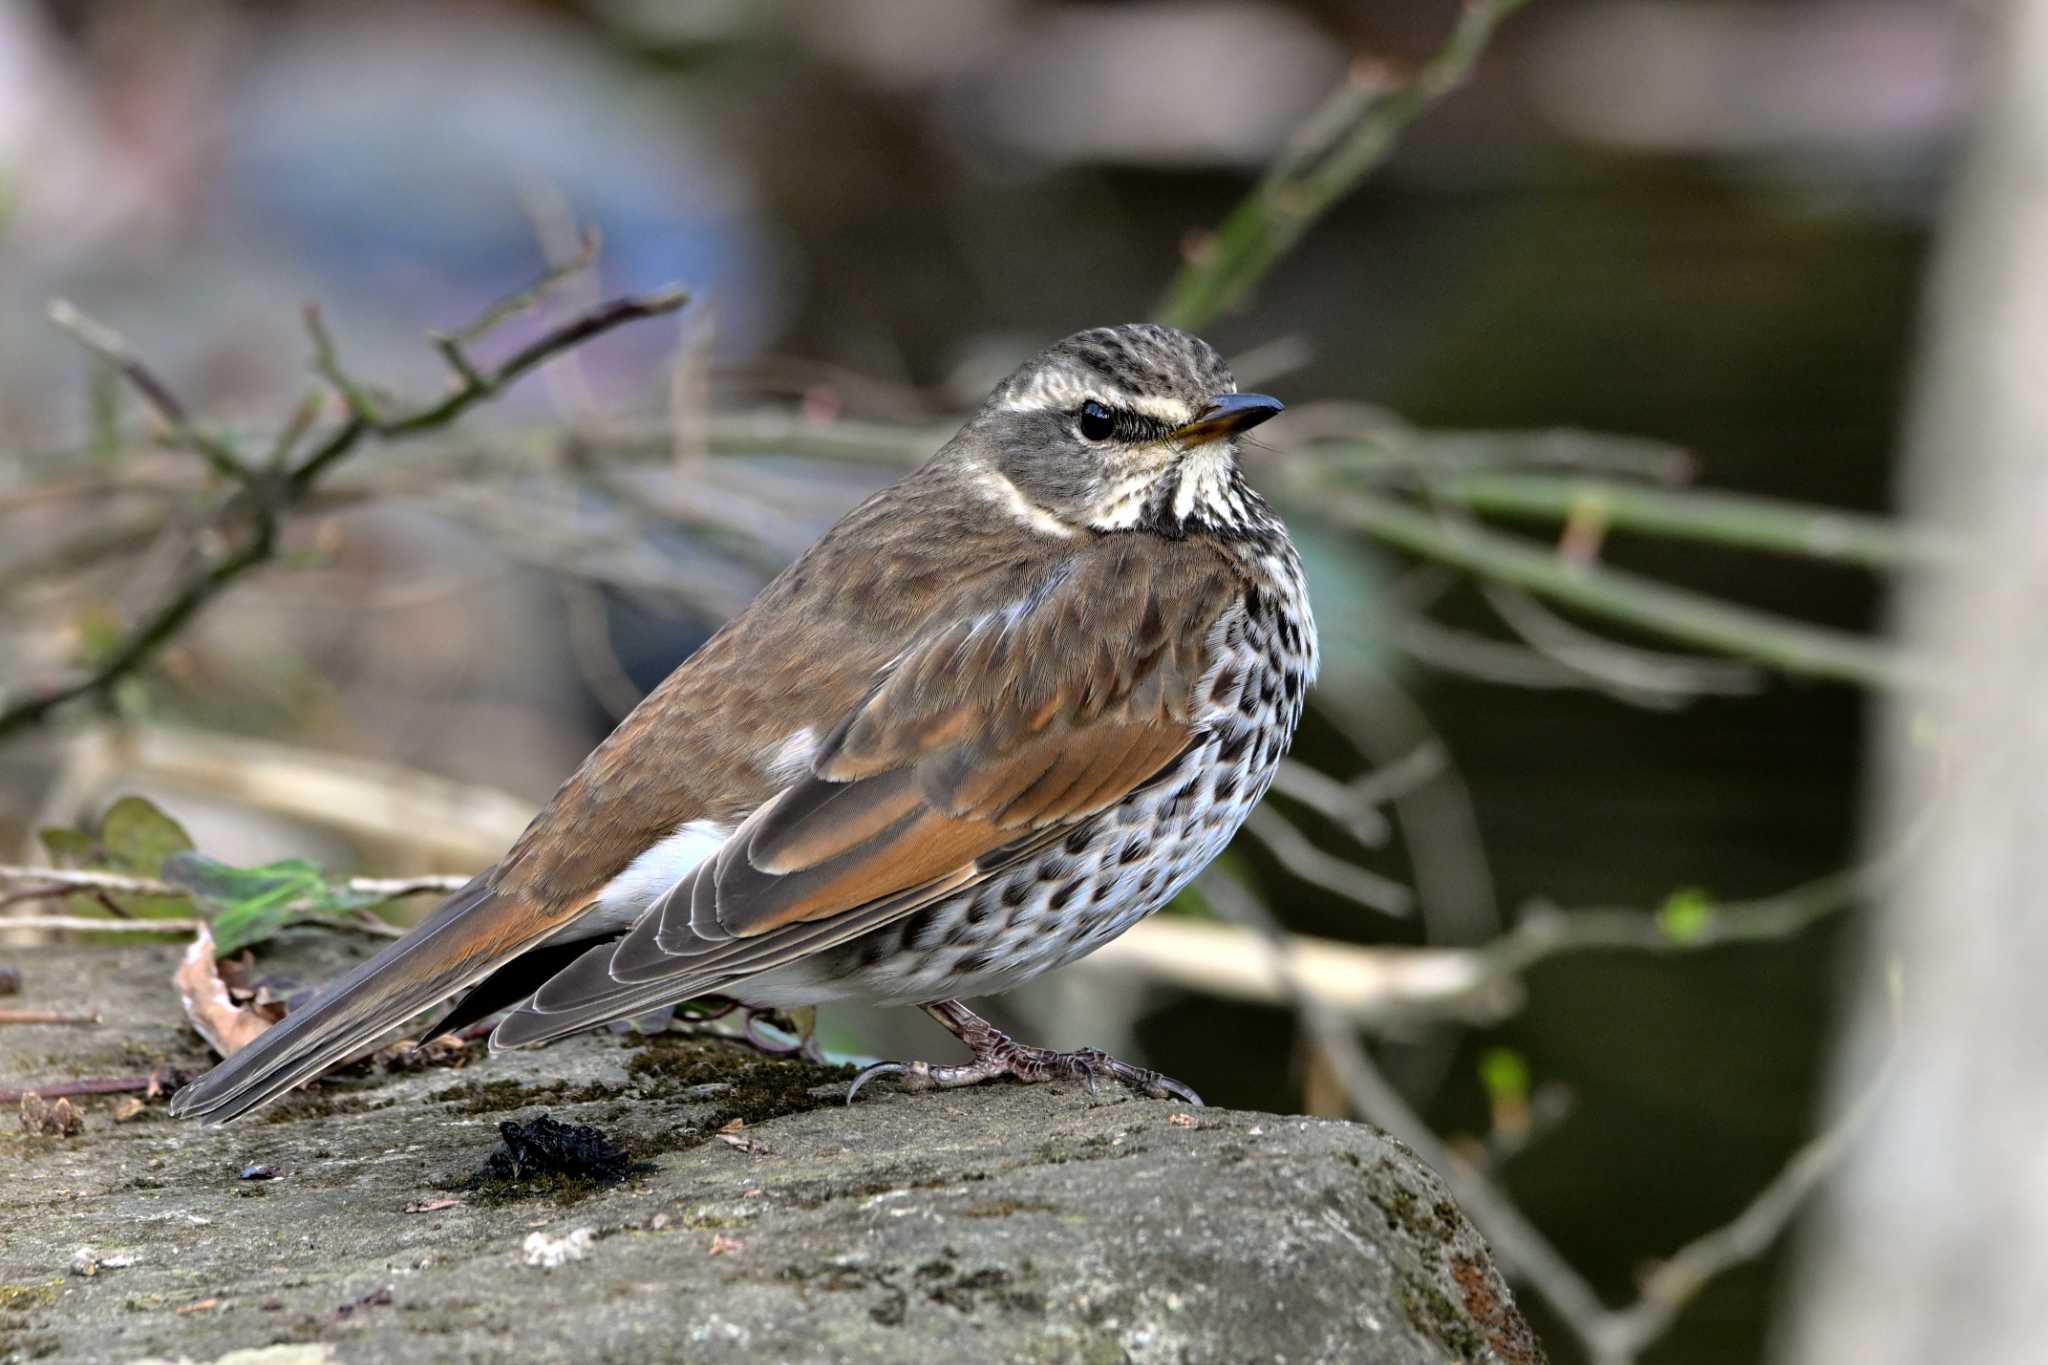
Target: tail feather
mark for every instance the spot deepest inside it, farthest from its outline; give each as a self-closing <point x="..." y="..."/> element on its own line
<point x="419" y="971"/>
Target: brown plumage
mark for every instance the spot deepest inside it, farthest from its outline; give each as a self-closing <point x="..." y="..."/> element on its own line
<point x="1065" y="629"/>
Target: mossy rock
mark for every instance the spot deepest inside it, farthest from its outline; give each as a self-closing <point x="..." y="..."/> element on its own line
<point x="1004" y="1222"/>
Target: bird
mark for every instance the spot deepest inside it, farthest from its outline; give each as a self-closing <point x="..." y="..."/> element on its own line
<point x="999" y="713"/>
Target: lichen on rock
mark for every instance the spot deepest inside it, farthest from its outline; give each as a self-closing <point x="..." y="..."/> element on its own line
<point x="1004" y="1222"/>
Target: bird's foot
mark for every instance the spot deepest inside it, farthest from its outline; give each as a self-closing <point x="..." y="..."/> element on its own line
<point x="997" y="1054"/>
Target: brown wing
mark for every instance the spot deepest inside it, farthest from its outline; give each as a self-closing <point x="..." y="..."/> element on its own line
<point x="989" y="739"/>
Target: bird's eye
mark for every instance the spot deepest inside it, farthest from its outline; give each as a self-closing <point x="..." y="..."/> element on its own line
<point x="1097" y="422"/>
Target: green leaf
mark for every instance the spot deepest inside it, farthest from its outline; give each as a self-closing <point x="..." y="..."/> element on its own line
<point x="1685" y="914"/>
<point x="1505" y="1076"/>
<point x="250" y="904"/>
<point x="138" y="837"/>
<point x="133" y="838"/>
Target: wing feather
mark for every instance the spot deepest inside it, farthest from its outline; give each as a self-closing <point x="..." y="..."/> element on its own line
<point x="976" y="749"/>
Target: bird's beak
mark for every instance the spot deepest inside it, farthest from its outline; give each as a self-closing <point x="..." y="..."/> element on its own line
<point x="1225" y="415"/>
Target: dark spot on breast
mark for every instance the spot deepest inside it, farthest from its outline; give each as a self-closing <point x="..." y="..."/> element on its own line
<point x="982" y="908"/>
<point x="1292" y="683"/>
<point x="1248" y="704"/>
<point x="1014" y="892"/>
<point x="1077" y="843"/>
<point x="1051" y="870"/>
<point x="1226" y="787"/>
<point x="1235" y="744"/>
<point x="1134" y="848"/>
<point x="1227" y="681"/>
<point x="921" y="930"/>
<point x="975" y="963"/>
<point x="1064" y="893"/>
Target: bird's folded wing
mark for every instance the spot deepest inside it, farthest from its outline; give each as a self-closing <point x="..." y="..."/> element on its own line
<point x="981" y="746"/>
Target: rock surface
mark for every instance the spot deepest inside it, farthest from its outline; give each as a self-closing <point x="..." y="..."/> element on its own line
<point x="1001" y="1223"/>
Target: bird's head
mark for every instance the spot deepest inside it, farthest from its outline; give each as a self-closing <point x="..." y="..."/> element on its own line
<point x="1130" y="428"/>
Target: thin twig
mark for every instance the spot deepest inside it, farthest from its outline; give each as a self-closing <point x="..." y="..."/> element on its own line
<point x="1610" y="1336"/>
<point x="1333" y="874"/>
<point x="112" y="1085"/>
<point x="47" y="1017"/>
<point x="1331" y="799"/>
<point x="63" y="880"/>
<point x="1729" y="519"/>
<point x="106" y="343"/>
<point x="1630" y="599"/>
<point x="265" y="495"/>
<point x="1338" y="146"/>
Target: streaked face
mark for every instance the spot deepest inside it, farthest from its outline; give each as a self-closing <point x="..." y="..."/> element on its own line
<point x="1120" y="429"/>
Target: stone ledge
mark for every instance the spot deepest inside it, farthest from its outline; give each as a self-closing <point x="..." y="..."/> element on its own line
<point x="1001" y="1223"/>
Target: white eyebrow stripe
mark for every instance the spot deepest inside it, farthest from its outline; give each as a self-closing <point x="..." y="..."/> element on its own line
<point x="1063" y="392"/>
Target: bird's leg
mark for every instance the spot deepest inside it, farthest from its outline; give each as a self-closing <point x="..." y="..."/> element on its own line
<point x="998" y="1054"/>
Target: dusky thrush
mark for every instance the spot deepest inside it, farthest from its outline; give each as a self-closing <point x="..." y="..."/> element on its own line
<point x="1001" y="712"/>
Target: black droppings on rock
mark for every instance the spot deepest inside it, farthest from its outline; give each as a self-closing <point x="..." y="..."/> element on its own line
<point x="551" y="1157"/>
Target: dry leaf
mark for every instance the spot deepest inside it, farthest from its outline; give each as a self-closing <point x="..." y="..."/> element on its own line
<point x="732" y="1126"/>
<point x="199" y="1307"/>
<point x="1181" y="1120"/>
<point x="127" y="1109"/>
<point x="722" y="1245"/>
<point x="739" y="1143"/>
<point x="226" y="1026"/>
<point x="46" y="1118"/>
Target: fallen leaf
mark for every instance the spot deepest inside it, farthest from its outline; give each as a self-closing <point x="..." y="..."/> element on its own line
<point x="740" y="1143"/>
<point x="732" y="1126"/>
<point x="432" y="1205"/>
<point x="226" y="1026"/>
<point x="46" y="1118"/>
<point x="127" y="1109"/>
<point x="1181" y="1120"/>
<point x="722" y="1245"/>
<point x="200" y="1307"/>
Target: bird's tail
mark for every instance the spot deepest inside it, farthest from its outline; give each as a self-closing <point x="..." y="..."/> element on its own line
<point x="472" y="934"/>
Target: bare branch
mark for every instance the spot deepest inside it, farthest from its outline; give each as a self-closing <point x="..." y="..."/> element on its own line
<point x="267" y="496"/>
<point x="106" y="343"/>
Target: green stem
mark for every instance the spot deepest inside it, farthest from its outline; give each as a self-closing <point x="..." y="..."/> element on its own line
<point x="1337" y="147"/>
<point x="1716" y="518"/>
<point x="1627" y="598"/>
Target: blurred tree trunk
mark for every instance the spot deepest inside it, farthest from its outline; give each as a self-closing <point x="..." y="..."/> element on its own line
<point x="1935" y="1243"/>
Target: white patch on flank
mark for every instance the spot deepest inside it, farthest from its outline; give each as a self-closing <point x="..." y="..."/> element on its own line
<point x="791" y="759"/>
<point x="626" y="897"/>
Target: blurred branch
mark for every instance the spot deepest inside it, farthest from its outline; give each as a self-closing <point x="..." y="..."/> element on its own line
<point x="52" y="882"/>
<point x="262" y="497"/>
<point x="1621" y="1336"/>
<point x="107" y="344"/>
<point x="1609" y="1336"/>
<point x="1336" y="148"/>
<point x="1298" y="855"/>
<point x="1630" y="599"/>
<point x="1713" y="518"/>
